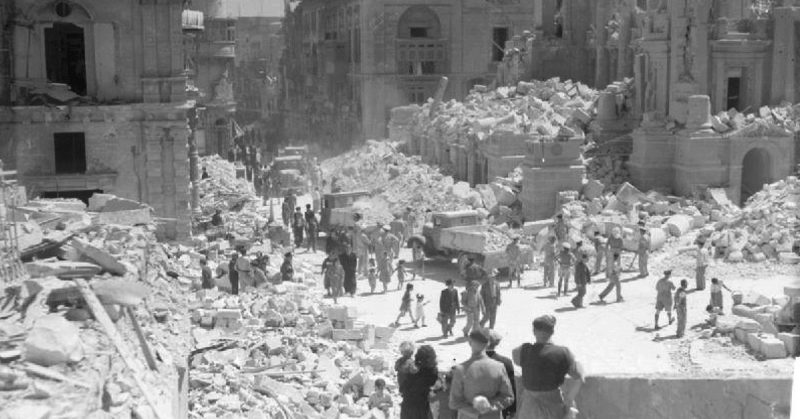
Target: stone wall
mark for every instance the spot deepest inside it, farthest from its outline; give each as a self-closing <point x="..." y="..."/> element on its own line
<point x="138" y="152"/>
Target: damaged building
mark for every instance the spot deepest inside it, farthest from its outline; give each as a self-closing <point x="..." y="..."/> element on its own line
<point x="94" y="100"/>
<point x="352" y="61"/>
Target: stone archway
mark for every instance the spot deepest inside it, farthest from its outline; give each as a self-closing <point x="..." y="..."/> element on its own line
<point x="756" y="172"/>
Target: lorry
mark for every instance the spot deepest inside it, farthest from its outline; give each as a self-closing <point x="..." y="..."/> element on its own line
<point x="460" y="235"/>
<point x="337" y="209"/>
<point x="291" y="173"/>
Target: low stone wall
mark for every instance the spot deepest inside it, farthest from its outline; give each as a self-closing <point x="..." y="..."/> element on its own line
<point x="627" y="397"/>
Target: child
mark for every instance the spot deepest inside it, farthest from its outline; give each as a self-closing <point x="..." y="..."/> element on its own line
<point x="716" y="293"/>
<point x="401" y="273"/>
<point x="405" y="305"/>
<point x="380" y="399"/>
<point x="372" y="273"/>
<point x="420" y="310"/>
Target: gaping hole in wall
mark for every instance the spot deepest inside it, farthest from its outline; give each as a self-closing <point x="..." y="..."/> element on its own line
<point x="755" y="172"/>
<point x="499" y="38"/>
<point x="418" y="32"/>
<point x="83" y="195"/>
<point x="70" y="152"/>
<point x="65" y="55"/>
<point x="733" y="93"/>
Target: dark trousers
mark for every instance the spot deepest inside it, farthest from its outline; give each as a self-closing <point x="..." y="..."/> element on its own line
<point x="613" y="282"/>
<point x="577" y="300"/>
<point x="298" y="236"/>
<point x="448" y="321"/>
<point x="234" y="279"/>
<point x="490" y="316"/>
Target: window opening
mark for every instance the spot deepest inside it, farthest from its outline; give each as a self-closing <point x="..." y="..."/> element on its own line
<point x="734" y="91"/>
<point x="65" y="55"/>
<point x="499" y="38"/>
<point x="70" y="152"/>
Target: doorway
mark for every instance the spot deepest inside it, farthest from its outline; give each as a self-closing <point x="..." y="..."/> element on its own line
<point x="756" y="168"/>
<point x="734" y="93"/>
<point x="82" y="195"/>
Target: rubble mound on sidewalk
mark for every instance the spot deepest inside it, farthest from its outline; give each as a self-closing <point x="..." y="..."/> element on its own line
<point x="222" y="189"/>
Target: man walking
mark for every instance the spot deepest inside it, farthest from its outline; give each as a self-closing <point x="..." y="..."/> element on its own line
<point x="615" y="245"/>
<point x="397" y="227"/>
<point x="664" y="288"/>
<point x="481" y="388"/>
<point x="582" y="277"/>
<point x="613" y="279"/>
<point x="643" y="251"/>
<point x="312" y="231"/>
<point x="473" y="307"/>
<point x="680" y="307"/>
<point x="550" y="262"/>
<point x="391" y="243"/>
<point x="565" y="261"/>
<point x="514" y="255"/>
<point x="448" y="307"/>
<point x="544" y="368"/>
<point x="349" y="262"/>
<point x="490" y="294"/>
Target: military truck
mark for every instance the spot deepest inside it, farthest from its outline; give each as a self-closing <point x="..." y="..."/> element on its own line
<point x="291" y="173"/>
<point x="460" y="235"/>
<point x="337" y="209"/>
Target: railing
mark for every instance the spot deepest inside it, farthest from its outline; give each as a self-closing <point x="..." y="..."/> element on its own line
<point x="192" y="20"/>
<point x="421" y="56"/>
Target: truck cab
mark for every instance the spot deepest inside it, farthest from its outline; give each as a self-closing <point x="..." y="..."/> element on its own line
<point x="291" y="172"/>
<point x="337" y="200"/>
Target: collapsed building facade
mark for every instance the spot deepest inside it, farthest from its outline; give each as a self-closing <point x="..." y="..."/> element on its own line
<point x="94" y="100"/>
<point x="352" y="61"/>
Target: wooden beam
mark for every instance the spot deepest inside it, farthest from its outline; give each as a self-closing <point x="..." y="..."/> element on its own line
<point x="124" y="350"/>
<point x="148" y="354"/>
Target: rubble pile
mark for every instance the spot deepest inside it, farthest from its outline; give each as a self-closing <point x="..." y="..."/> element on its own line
<point x="99" y="347"/>
<point x="776" y="121"/>
<point x="223" y="189"/>
<point x="278" y="352"/>
<point x="397" y="181"/>
<point x="547" y="108"/>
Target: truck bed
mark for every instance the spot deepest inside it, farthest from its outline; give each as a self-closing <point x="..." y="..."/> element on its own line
<point x="473" y="239"/>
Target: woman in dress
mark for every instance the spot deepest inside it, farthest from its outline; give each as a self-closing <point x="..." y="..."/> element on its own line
<point x="415" y="389"/>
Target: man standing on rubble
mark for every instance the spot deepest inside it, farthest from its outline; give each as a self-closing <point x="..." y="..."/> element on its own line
<point x="298" y="226"/>
<point x="233" y="274"/>
<point x="642" y="251"/>
<point x="287" y="270"/>
<point x="701" y="264"/>
<point x="514" y="263"/>
<point x="614" y="248"/>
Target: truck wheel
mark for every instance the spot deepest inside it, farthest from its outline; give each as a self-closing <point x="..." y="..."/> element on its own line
<point x="417" y="252"/>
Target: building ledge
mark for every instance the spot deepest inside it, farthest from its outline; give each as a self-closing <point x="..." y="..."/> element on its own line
<point x="69" y="182"/>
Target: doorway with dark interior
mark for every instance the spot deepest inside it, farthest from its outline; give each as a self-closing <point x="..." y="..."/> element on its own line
<point x="756" y="172"/>
<point x="65" y="56"/>
<point x="82" y="195"/>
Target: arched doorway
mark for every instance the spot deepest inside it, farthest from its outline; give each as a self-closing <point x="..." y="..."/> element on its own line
<point x="419" y="22"/>
<point x="756" y="172"/>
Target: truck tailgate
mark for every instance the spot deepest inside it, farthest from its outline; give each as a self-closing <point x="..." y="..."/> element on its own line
<point x="466" y="239"/>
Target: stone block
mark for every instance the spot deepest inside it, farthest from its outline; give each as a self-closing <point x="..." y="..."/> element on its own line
<point x="772" y="347"/>
<point x="53" y="340"/>
<point x="766" y="322"/>
<point x="593" y="189"/>
<point x="753" y="341"/>
<point x="101" y="257"/>
<point x="788" y="258"/>
<point x="229" y="313"/>
<point x="98" y="201"/>
<point x="337" y="313"/>
<point x="382" y="332"/>
<point x="753" y="298"/>
<point x="791" y="341"/>
<point x="741" y="335"/>
<point x="748" y="325"/>
<point x="126" y="217"/>
<point x="348" y="334"/>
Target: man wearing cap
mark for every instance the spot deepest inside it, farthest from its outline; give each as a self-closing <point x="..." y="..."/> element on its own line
<point x="481" y="387"/>
<point x="549" y="263"/>
<point x="582" y="277"/>
<point x="642" y="251"/>
<point x="664" y="288"/>
<point x="494" y="340"/>
<point x="490" y="294"/>
<point x="514" y="255"/>
<point x="544" y="368"/>
<point x="287" y="270"/>
<point x="565" y="261"/>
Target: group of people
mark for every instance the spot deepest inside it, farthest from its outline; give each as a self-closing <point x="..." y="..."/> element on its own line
<point x="483" y="386"/>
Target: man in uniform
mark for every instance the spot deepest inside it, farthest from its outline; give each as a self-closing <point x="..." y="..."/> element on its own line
<point x="643" y="251"/>
<point x="582" y="277"/>
<point x="664" y="288"/>
<point x="565" y="261"/>
<point x="514" y="263"/>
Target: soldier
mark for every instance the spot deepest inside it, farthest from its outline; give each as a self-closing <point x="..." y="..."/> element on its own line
<point x="664" y="289"/>
<point x="550" y="262"/>
<point x="642" y="251"/>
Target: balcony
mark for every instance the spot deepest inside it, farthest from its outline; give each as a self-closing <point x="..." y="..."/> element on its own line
<point x="419" y="56"/>
<point x="192" y="21"/>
